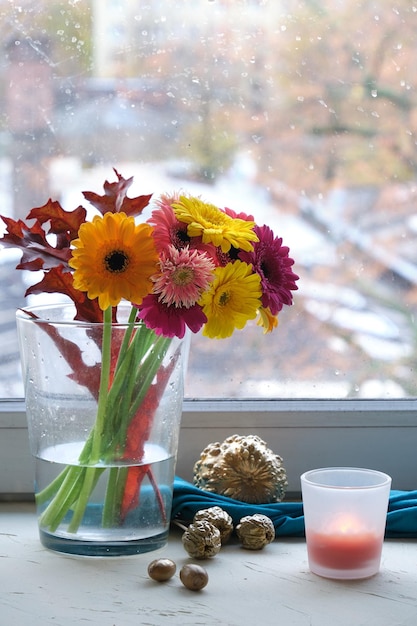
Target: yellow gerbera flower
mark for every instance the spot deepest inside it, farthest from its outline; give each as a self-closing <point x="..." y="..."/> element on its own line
<point x="213" y="225"/>
<point x="114" y="259"/>
<point x="267" y="320"/>
<point x="232" y="299"/>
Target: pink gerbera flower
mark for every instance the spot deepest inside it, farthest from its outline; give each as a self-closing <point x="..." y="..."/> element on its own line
<point x="223" y="258"/>
<point x="170" y="321"/>
<point x="240" y="216"/>
<point x="168" y="230"/>
<point x="184" y="275"/>
<point x="270" y="259"/>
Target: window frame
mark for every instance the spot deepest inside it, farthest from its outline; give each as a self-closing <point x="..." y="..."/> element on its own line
<point x="379" y="434"/>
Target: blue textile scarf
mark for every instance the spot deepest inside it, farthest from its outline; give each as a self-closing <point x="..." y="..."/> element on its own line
<point x="287" y="517"/>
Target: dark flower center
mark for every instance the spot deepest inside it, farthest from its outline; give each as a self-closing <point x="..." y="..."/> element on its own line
<point x="116" y="261"/>
<point x="224" y="298"/>
<point x="180" y="238"/>
<point x="264" y="267"/>
<point x="271" y="269"/>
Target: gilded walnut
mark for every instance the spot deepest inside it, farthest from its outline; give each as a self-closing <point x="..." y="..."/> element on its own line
<point x="242" y="468"/>
<point x="202" y="540"/>
<point x="255" y="531"/>
<point x="219" y="518"/>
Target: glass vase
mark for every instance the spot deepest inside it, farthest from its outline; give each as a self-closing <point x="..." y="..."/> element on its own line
<point x="104" y="405"/>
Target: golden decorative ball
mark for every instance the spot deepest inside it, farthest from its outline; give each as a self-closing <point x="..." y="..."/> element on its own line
<point x="242" y="468"/>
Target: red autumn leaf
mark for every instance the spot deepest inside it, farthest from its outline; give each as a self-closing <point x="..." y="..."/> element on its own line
<point x="57" y="280"/>
<point x="115" y="198"/>
<point x="86" y="375"/>
<point x="38" y="253"/>
<point x="137" y="434"/>
<point x="141" y="423"/>
<point x="54" y="281"/>
<point x="61" y="221"/>
<point x="130" y="501"/>
<point x="135" y="476"/>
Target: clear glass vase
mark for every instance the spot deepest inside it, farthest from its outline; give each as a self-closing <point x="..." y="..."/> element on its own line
<point x="104" y="405"/>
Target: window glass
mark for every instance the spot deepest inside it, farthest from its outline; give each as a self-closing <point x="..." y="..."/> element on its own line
<point x="300" y="113"/>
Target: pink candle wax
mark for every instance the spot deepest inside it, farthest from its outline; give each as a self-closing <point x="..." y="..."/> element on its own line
<point x="344" y="549"/>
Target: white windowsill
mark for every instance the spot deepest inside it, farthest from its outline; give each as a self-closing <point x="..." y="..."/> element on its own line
<point x="313" y="433"/>
<point x="272" y="586"/>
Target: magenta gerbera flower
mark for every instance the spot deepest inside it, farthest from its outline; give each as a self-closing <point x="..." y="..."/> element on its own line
<point x="271" y="260"/>
<point x="170" y="321"/>
<point x="184" y="275"/>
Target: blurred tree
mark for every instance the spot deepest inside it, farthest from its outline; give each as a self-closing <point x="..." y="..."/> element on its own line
<point x="45" y="51"/>
<point x="345" y="71"/>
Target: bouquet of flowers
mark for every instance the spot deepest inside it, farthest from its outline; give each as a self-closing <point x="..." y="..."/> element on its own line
<point x="190" y="265"/>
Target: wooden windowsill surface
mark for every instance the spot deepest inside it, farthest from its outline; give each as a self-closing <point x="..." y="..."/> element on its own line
<point x="273" y="586"/>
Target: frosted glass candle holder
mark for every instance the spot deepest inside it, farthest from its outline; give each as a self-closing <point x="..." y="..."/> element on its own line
<point x="345" y="512"/>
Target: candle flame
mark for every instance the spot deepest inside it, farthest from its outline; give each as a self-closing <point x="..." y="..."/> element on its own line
<point x="347" y="525"/>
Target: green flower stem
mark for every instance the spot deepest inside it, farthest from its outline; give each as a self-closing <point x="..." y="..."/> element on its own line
<point x="120" y="396"/>
<point x="123" y="412"/>
<point x="127" y="336"/>
<point x="114" y="496"/>
<point x="100" y="424"/>
<point x="78" y="482"/>
<point x="51" y="489"/>
<point x="141" y="381"/>
<point x="152" y="365"/>
<point x="134" y="376"/>
<point x="135" y="389"/>
<point x="109" y="509"/>
<point x="55" y="512"/>
<point x="139" y="358"/>
<point x="92" y="474"/>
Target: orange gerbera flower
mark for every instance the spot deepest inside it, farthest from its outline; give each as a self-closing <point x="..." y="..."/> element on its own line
<point x="114" y="259"/>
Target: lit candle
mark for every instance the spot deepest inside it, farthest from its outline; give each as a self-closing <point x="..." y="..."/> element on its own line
<point x="345" y="510"/>
<point x="345" y="545"/>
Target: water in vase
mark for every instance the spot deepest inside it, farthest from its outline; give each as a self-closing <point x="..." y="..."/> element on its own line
<point x="138" y="524"/>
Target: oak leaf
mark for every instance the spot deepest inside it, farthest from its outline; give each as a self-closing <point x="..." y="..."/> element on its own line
<point x="115" y="199"/>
